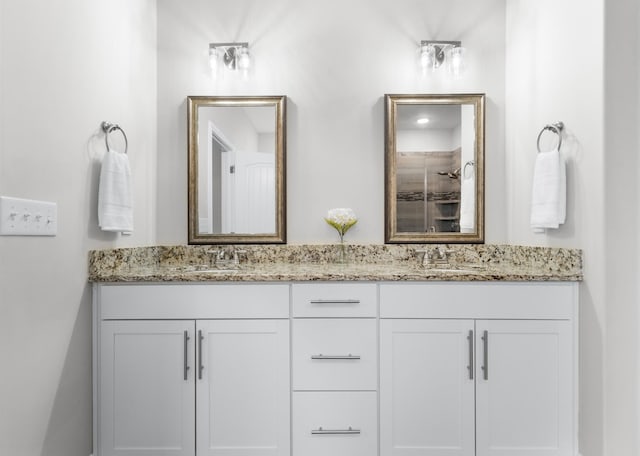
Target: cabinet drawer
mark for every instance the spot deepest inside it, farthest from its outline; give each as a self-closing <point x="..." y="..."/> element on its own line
<point x="510" y="300"/>
<point x="335" y="423"/>
<point x="193" y="301"/>
<point x="335" y="300"/>
<point x="335" y="354"/>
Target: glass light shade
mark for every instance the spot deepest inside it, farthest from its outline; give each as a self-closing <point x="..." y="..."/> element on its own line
<point x="244" y="60"/>
<point x="427" y="58"/>
<point x="456" y="61"/>
<point x="213" y="61"/>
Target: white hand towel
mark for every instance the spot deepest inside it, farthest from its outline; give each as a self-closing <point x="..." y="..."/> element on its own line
<point x="468" y="204"/>
<point x="549" y="194"/>
<point x="115" y="199"/>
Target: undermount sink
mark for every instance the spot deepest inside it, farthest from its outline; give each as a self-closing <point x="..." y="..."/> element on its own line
<point x="457" y="271"/>
<point x="212" y="271"/>
<point x="203" y="269"/>
<point x="467" y="269"/>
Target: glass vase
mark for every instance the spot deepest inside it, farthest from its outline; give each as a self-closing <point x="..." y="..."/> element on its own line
<point x="341" y="254"/>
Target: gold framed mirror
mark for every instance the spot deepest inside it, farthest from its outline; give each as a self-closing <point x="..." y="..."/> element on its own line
<point x="236" y="169"/>
<point x="434" y="168"/>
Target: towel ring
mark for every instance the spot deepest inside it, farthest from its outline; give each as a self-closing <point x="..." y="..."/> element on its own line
<point x="464" y="170"/>
<point x="109" y="128"/>
<point x="556" y="128"/>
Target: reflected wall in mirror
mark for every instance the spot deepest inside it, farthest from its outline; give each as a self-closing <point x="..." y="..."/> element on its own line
<point x="434" y="168"/>
<point x="236" y="169"/>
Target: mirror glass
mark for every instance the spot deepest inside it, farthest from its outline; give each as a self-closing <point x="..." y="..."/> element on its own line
<point x="434" y="168"/>
<point x="236" y="169"/>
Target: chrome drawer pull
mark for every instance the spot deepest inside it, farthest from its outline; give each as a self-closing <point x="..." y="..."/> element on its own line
<point x="321" y="431"/>
<point x="200" y="365"/>
<point x="470" y="366"/>
<point x="485" y="367"/>
<point x="335" y="301"/>
<point x="186" y="355"/>
<point x="321" y="356"/>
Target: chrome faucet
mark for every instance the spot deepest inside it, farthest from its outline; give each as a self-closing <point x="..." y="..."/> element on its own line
<point x="226" y="257"/>
<point x="438" y="256"/>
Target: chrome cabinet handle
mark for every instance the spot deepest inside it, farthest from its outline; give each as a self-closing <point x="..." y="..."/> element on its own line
<point x="321" y="431"/>
<point x="321" y="356"/>
<point x="186" y="355"/>
<point x="485" y="361"/>
<point x="200" y="365"/>
<point x="470" y="366"/>
<point x="335" y="301"/>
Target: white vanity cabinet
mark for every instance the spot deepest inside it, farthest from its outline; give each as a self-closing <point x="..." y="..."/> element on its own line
<point x="192" y="369"/>
<point x="334" y="369"/>
<point x="486" y="369"/>
<point x="398" y="368"/>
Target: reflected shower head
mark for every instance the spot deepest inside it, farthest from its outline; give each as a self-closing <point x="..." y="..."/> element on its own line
<point x="455" y="174"/>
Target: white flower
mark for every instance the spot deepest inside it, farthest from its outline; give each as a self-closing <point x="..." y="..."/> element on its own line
<point x="341" y="218"/>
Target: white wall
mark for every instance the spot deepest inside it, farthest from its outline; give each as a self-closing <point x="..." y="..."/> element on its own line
<point x="335" y="60"/>
<point x="267" y="143"/>
<point x="65" y="66"/>
<point x="557" y="70"/>
<point x="428" y="140"/>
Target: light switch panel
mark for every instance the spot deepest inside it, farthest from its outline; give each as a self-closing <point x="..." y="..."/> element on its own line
<point x="23" y="217"/>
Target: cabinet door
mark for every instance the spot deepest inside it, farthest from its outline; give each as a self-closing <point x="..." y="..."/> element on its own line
<point x="524" y="388"/>
<point x="243" y="388"/>
<point x="426" y="388"/>
<point x="146" y="388"/>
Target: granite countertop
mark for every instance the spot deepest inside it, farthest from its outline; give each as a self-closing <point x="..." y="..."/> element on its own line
<point x="272" y="263"/>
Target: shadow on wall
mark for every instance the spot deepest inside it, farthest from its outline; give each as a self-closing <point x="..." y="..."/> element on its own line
<point x="96" y="148"/>
<point x="591" y="360"/>
<point x="572" y="151"/>
<point x="73" y="401"/>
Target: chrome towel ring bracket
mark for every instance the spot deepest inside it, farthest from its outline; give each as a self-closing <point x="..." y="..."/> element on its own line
<point x="108" y="127"/>
<point x="556" y="128"/>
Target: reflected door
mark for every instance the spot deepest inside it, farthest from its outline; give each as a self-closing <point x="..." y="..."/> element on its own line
<point x="255" y="193"/>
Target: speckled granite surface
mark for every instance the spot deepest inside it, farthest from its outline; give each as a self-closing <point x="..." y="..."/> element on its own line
<point x="477" y="262"/>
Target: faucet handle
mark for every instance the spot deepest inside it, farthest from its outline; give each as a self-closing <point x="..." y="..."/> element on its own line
<point x="216" y="255"/>
<point x="443" y="253"/>
<point x="437" y="255"/>
<point x="425" y="256"/>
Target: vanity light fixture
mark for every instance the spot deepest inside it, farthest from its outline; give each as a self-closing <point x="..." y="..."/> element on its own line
<point x="234" y="57"/>
<point x="422" y="121"/>
<point x="432" y="54"/>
